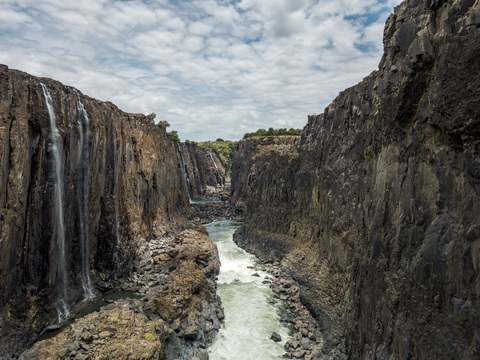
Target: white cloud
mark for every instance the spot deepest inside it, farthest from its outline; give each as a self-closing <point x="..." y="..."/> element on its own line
<point x="11" y="19"/>
<point x="211" y="68"/>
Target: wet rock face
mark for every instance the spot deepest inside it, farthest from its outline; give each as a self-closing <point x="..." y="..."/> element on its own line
<point x="122" y="182"/>
<point x="375" y="210"/>
<point x="204" y="169"/>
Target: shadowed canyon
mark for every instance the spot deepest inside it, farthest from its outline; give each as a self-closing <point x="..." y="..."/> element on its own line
<point x="366" y="226"/>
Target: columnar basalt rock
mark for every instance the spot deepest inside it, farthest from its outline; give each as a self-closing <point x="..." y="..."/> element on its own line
<point x="376" y="210"/>
<point x="203" y="168"/>
<point x="135" y="189"/>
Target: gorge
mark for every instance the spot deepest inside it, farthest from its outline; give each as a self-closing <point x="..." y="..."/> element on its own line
<point x="373" y="211"/>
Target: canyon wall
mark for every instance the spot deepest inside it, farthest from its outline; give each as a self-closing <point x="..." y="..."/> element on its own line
<point x="203" y="168"/>
<point x="121" y="182"/>
<point x="375" y="210"/>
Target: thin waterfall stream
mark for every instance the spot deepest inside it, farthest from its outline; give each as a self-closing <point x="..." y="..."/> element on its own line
<point x="185" y="172"/>
<point x="83" y="162"/>
<point x="118" y="234"/>
<point x="252" y="314"/>
<point x="63" y="309"/>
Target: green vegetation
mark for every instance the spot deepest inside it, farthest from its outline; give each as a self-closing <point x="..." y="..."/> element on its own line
<point x="163" y="123"/>
<point x="273" y="132"/>
<point x="174" y="135"/>
<point x="223" y="148"/>
<point x="149" y="337"/>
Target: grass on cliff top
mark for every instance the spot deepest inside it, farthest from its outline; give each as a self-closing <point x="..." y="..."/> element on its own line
<point x="273" y="132"/>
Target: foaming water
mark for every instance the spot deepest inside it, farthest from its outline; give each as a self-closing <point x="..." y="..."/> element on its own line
<point x="251" y="312"/>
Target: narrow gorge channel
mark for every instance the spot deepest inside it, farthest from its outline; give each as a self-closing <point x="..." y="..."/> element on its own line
<point x="252" y="314"/>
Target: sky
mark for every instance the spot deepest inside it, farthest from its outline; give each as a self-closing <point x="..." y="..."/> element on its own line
<point x="211" y="68"/>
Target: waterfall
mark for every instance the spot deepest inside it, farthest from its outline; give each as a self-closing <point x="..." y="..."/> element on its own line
<point x="216" y="167"/>
<point x="115" y="186"/>
<point x="63" y="311"/>
<point x="186" y="176"/>
<point x="83" y="171"/>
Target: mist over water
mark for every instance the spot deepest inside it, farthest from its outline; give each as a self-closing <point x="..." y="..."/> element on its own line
<point x="251" y="311"/>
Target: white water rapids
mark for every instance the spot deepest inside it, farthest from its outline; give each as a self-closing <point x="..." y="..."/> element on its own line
<point x="251" y="312"/>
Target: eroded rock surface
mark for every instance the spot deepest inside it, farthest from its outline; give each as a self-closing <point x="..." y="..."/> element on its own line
<point x="375" y="210"/>
<point x="123" y="183"/>
<point x="204" y="169"/>
<point x="176" y="318"/>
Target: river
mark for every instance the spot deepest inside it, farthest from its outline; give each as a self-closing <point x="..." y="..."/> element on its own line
<point x="252" y="314"/>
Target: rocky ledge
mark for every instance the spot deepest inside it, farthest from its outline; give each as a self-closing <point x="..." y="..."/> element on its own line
<point x="175" y="319"/>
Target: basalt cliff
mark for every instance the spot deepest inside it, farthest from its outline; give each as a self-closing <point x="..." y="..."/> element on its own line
<point x="375" y="209"/>
<point x="83" y="187"/>
<point x="203" y="169"/>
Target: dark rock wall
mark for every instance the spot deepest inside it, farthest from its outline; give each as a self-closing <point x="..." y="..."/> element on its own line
<point x="136" y="189"/>
<point x="203" y="168"/>
<point x="376" y="210"/>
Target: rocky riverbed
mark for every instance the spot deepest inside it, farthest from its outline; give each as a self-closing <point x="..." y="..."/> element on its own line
<point x="177" y="313"/>
<point x="175" y="319"/>
<point x="307" y="341"/>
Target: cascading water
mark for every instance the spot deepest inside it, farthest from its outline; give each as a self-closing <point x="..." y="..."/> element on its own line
<point x="186" y="177"/>
<point x="251" y="312"/>
<point x="63" y="311"/>
<point x="118" y="235"/>
<point x="83" y="171"/>
<point x="218" y="171"/>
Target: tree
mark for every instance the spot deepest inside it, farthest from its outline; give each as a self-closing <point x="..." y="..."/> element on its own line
<point x="174" y="136"/>
<point x="163" y="123"/>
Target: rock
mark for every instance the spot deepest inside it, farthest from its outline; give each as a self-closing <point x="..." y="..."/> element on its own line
<point x="256" y="275"/>
<point x="173" y="252"/>
<point x="105" y="334"/>
<point x="103" y="286"/>
<point x="306" y="342"/>
<point x="374" y="209"/>
<point x="202" y="354"/>
<point x="276" y="337"/>
<point x="134" y="329"/>
<point x="203" y="167"/>
<point x="86" y="336"/>
<point x="298" y="354"/>
<point x="191" y="332"/>
<point x="123" y="165"/>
